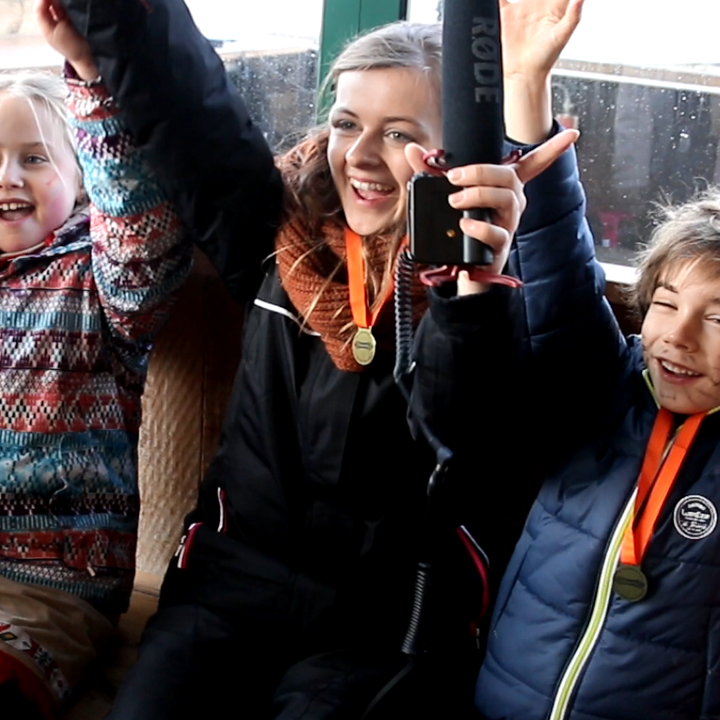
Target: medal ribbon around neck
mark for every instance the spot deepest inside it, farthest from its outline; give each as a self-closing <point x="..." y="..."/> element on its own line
<point x="363" y="342"/>
<point x="657" y="476"/>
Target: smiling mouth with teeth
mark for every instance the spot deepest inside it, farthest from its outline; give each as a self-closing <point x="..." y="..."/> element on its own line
<point x="677" y="370"/>
<point x="370" y="188"/>
<point x="15" y="211"/>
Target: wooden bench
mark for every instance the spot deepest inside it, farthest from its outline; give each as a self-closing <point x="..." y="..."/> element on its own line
<point x="95" y="697"/>
<point x="189" y="380"/>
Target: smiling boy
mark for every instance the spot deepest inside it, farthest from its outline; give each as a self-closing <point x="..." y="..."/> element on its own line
<point x="608" y="608"/>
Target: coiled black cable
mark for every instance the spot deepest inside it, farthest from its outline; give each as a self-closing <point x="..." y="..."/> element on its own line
<point x="413" y="642"/>
<point x="404" y="362"/>
<point x="403" y="323"/>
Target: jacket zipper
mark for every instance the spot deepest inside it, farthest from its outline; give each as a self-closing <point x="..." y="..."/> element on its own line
<point x="601" y="602"/>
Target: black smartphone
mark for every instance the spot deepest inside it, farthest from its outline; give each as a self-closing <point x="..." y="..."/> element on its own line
<point x="434" y="226"/>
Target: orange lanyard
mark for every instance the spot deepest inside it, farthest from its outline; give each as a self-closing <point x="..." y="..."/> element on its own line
<point x="356" y="281"/>
<point x="656" y="479"/>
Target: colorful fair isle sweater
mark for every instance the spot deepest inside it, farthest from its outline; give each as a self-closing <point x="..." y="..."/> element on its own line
<point x="77" y="318"/>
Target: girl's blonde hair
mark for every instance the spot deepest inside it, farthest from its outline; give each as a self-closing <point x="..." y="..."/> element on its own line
<point x="687" y="232"/>
<point x="46" y="91"/>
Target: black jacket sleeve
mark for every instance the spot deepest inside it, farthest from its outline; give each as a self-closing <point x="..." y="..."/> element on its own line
<point x="468" y="391"/>
<point x="577" y="350"/>
<point x="194" y="128"/>
<point x="469" y="351"/>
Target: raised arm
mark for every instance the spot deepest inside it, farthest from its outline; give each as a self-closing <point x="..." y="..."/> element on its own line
<point x="573" y="339"/>
<point x="469" y="388"/>
<point x="534" y="33"/>
<point x="192" y="126"/>
<point x="140" y="252"/>
<point x="471" y="350"/>
<point x="575" y="346"/>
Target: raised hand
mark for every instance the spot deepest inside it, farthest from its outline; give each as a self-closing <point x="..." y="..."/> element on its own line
<point x="498" y="188"/>
<point x="534" y="33"/>
<point x="60" y="34"/>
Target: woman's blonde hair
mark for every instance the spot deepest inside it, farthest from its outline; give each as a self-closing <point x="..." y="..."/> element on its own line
<point x="397" y="45"/>
<point x="310" y="191"/>
<point x="42" y="90"/>
<point x="687" y="232"/>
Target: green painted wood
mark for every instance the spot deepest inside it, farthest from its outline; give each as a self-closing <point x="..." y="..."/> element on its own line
<point x="342" y="20"/>
<point x="380" y="12"/>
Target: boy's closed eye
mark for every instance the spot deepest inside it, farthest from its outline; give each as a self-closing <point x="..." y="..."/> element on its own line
<point x="663" y="303"/>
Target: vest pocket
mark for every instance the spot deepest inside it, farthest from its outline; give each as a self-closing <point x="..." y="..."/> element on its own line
<point x="185" y="545"/>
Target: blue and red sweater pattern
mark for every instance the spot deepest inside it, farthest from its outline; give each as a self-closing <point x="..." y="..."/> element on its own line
<point x="77" y="319"/>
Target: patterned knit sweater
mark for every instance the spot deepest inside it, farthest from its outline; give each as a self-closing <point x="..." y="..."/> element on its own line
<point x="77" y="317"/>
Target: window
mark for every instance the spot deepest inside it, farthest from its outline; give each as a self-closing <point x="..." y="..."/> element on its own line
<point x="20" y="43"/>
<point x="271" y="51"/>
<point x="270" y="48"/>
<point x="642" y="83"/>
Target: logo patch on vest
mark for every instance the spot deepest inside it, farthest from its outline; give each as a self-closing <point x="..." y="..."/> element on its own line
<point x="695" y="517"/>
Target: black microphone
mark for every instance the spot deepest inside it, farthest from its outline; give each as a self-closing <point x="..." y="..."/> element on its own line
<point x="472" y="96"/>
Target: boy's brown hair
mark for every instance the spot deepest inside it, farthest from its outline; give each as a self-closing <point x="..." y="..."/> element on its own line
<point x="686" y="232"/>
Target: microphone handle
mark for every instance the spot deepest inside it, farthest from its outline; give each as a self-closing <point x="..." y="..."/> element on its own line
<point x="476" y="252"/>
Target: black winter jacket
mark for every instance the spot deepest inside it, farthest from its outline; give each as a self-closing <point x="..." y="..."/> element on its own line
<point x="317" y="493"/>
<point x="308" y="528"/>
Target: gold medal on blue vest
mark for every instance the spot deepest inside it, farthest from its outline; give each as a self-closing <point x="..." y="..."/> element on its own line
<point x="363" y="346"/>
<point x="630" y="583"/>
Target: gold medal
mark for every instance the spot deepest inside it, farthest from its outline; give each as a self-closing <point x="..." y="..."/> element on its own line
<point x="657" y="475"/>
<point x="363" y="343"/>
<point x="363" y="346"/>
<point x="630" y="583"/>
